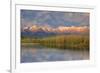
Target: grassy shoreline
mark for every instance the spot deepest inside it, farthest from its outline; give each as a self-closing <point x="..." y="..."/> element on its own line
<point x="75" y="42"/>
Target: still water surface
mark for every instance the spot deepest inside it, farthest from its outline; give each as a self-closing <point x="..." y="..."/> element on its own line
<point x="42" y="54"/>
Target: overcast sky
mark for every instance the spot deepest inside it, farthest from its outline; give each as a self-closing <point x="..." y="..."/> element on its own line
<point x="53" y="18"/>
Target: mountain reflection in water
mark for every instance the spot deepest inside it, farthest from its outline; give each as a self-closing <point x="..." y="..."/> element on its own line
<point x="43" y="54"/>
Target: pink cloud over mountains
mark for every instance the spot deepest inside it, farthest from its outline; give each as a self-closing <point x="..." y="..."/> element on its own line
<point x="59" y="29"/>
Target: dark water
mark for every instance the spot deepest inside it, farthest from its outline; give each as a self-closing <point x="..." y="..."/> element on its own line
<point x="42" y="54"/>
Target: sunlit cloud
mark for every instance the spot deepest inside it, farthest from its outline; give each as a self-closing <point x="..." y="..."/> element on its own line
<point x="59" y="29"/>
<point x="72" y="29"/>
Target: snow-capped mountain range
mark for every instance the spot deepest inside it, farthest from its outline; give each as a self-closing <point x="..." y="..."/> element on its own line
<point x="47" y="30"/>
<point x="59" y="29"/>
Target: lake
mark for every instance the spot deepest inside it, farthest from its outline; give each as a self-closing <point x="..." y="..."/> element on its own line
<point x="39" y="53"/>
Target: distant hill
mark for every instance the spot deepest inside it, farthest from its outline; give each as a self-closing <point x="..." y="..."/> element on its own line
<point x="44" y="31"/>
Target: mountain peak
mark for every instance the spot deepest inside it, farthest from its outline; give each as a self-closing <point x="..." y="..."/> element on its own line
<point x="59" y="29"/>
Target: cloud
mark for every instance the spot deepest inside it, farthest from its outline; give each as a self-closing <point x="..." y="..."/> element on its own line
<point x="59" y="29"/>
<point x="72" y="29"/>
<point x="54" y="18"/>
